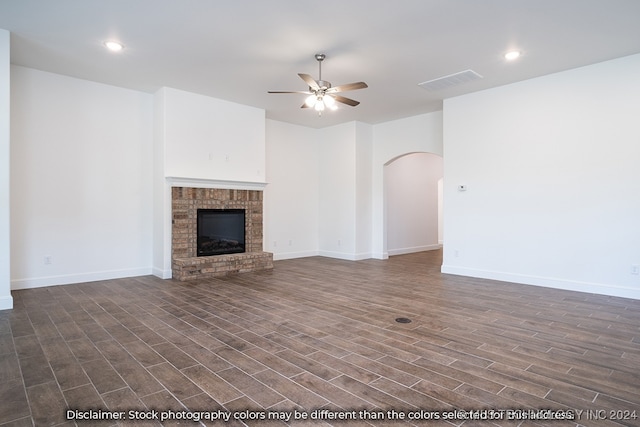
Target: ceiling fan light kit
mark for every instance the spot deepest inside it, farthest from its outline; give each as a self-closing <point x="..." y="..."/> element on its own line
<point x="321" y="94"/>
<point x="113" y="46"/>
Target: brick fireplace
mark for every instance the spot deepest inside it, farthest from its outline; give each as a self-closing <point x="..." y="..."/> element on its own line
<point x="185" y="202"/>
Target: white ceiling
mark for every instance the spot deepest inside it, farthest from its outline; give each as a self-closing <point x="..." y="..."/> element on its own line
<point x="237" y="50"/>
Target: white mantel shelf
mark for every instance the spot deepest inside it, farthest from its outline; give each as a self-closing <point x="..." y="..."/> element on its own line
<point x="176" y="181"/>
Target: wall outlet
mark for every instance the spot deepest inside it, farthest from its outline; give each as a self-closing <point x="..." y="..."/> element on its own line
<point x="275" y="244"/>
<point x="635" y="269"/>
<point x="47" y="259"/>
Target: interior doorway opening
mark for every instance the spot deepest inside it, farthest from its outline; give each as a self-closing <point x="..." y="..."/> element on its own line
<point x="413" y="203"/>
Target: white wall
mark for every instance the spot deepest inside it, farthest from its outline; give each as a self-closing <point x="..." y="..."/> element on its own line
<point x="337" y="193"/>
<point x="346" y="153"/>
<point x="6" y="301"/>
<point x="411" y="186"/>
<point x="80" y="180"/>
<point x="364" y="189"/>
<point x="318" y="197"/>
<point x="208" y="138"/>
<point x="161" y="257"/>
<point x="291" y="197"/>
<point x="393" y="139"/>
<point x="551" y="166"/>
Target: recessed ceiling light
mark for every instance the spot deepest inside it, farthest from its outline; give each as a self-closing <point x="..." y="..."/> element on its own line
<point x="114" y="46"/>
<point x="510" y="56"/>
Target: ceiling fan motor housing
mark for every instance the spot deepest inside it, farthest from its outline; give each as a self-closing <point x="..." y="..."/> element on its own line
<point x="323" y="84"/>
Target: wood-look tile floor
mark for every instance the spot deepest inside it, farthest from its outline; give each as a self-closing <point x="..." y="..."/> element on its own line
<point x="319" y="333"/>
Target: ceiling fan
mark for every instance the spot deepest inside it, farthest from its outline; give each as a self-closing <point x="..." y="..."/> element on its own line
<point x="321" y="94"/>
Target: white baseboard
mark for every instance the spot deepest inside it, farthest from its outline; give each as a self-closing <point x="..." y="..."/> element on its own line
<point x="68" y="279"/>
<point x="345" y="255"/>
<point x="380" y="255"/>
<point x="547" y="282"/>
<point x="292" y="255"/>
<point x="6" y="303"/>
<point x="414" y="249"/>
<point x="361" y="256"/>
<point x="162" y="274"/>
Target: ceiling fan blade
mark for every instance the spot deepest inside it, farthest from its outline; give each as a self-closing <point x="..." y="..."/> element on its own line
<point x="349" y="86"/>
<point x="304" y="105"/>
<point x="344" y="100"/>
<point x="295" y="91"/>
<point x="309" y="81"/>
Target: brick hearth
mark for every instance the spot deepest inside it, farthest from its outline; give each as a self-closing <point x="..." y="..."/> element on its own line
<point x="185" y="202"/>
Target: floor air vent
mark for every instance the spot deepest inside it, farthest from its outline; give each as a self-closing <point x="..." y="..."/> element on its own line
<point x="450" y="80"/>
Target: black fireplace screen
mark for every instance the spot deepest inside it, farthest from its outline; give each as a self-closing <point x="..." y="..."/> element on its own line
<point x="220" y="231"/>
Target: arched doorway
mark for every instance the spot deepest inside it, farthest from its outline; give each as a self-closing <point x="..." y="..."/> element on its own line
<point x="413" y="203"/>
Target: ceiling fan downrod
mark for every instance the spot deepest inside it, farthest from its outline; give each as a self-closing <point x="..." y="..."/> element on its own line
<point x="321" y="83"/>
<point x="320" y="57"/>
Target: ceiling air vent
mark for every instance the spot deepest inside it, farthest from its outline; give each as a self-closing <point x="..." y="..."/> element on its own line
<point x="450" y="80"/>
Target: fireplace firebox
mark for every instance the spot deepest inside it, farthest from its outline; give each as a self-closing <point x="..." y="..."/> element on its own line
<point x="221" y="231"/>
